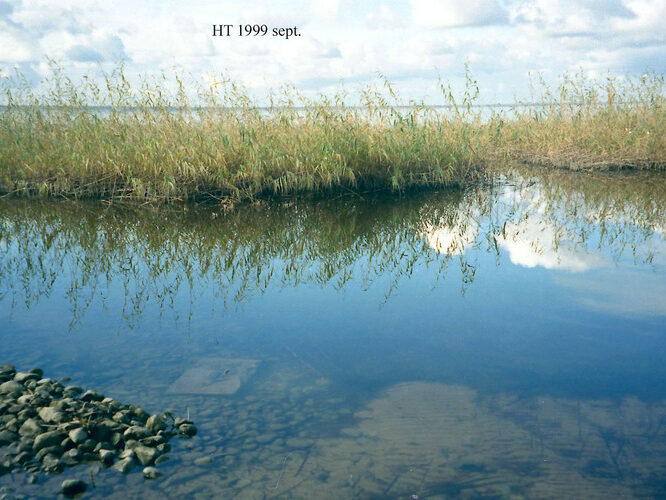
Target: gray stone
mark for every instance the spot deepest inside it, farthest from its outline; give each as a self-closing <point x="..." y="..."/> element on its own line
<point x="73" y="389"/>
<point x="156" y="423"/>
<point x="187" y="430"/>
<point x="163" y="448"/>
<point x="51" y="450"/>
<point x="51" y="415"/>
<point x="215" y="376"/>
<point x="72" y="457"/>
<point x="146" y="455"/>
<point x="151" y="473"/>
<point x="106" y="457"/>
<point x="203" y="461"/>
<point x="71" y="487"/>
<point x="78" y="435"/>
<point x="136" y="432"/>
<point x="23" y="377"/>
<point x="51" y="463"/>
<point x="125" y="465"/>
<point x="30" y="427"/>
<point x="141" y="414"/>
<point x="47" y="439"/>
<point x="161" y="459"/>
<point x="91" y="396"/>
<point x="11" y="387"/>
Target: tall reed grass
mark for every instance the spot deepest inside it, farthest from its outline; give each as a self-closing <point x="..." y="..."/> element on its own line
<point x="152" y="141"/>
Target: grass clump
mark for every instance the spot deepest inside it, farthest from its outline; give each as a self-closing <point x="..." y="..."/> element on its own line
<point x="110" y="140"/>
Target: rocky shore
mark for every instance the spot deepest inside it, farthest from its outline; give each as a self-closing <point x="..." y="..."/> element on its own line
<point x="46" y="426"/>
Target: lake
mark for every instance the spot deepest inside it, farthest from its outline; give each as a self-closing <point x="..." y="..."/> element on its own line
<point x="505" y="341"/>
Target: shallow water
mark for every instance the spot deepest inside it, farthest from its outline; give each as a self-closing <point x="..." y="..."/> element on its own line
<point x="502" y="342"/>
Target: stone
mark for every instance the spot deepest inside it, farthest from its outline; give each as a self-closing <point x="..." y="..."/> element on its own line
<point x="91" y="395"/>
<point x="163" y="448"/>
<point x="141" y="414"/>
<point x="73" y="389"/>
<point x="7" y="368"/>
<point x="214" y="376"/>
<point x="23" y="377"/>
<point x="146" y="455"/>
<point x="125" y="465"/>
<point x="37" y="371"/>
<point x="11" y="387"/>
<point x="71" y="487"/>
<point x="161" y="459"/>
<point x="51" y="464"/>
<point x="187" y="430"/>
<point x="78" y="435"/>
<point x="156" y="423"/>
<point x="203" y="461"/>
<point x="30" y="428"/>
<point x="56" y="451"/>
<point x="106" y="457"/>
<point x="136" y="432"/>
<point x="51" y="415"/>
<point x="47" y="439"/>
<point x="151" y="473"/>
<point x="72" y="457"/>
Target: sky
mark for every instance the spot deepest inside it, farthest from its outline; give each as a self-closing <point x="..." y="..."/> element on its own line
<point x="410" y="42"/>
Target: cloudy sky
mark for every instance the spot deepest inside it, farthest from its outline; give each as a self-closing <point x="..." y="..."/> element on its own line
<point x="409" y="41"/>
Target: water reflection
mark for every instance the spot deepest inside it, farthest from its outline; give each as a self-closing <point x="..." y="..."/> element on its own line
<point x="502" y="341"/>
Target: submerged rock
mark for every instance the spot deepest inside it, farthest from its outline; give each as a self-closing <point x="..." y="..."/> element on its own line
<point x="47" y="427"/>
<point x="151" y="473"/>
<point x="71" y="487"/>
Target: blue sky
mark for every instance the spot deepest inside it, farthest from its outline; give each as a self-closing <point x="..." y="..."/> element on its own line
<point x="409" y="41"/>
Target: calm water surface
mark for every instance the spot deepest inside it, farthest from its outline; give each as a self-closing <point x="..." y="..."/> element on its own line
<point x="504" y="342"/>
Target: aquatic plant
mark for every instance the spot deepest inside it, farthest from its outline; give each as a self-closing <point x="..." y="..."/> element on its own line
<point x="153" y="142"/>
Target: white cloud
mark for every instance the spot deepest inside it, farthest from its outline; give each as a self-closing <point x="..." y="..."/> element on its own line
<point x="452" y="13"/>
<point x="534" y="242"/>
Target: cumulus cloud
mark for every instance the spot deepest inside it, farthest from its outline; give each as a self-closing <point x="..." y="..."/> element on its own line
<point x="452" y="13"/>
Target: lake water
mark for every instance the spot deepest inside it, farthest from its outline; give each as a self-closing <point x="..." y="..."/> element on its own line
<point x="499" y="342"/>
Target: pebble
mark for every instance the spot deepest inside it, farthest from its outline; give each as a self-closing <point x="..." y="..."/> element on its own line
<point x="71" y="487"/>
<point x="46" y="427"/>
<point x="151" y="473"/>
<point x="203" y="461"/>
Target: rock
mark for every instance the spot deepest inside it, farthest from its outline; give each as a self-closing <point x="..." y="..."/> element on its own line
<point x="56" y="451"/>
<point x="47" y="439"/>
<point x="23" y="377"/>
<point x="163" y="448"/>
<point x="23" y="457"/>
<point x="30" y="428"/>
<point x="127" y="453"/>
<point x="123" y="417"/>
<point x="103" y="430"/>
<point x="156" y="423"/>
<point x="71" y="487"/>
<point x="141" y="414"/>
<point x="73" y="389"/>
<point x="51" y="463"/>
<point x="187" y="430"/>
<point x="37" y="371"/>
<point x="161" y="459"/>
<point x="87" y="445"/>
<point x="91" y="396"/>
<point x="7" y="368"/>
<point x="78" y="435"/>
<point x="51" y="415"/>
<point x="136" y="432"/>
<point x="107" y="457"/>
<point x="151" y="473"/>
<point x="203" y="461"/>
<point x="11" y="387"/>
<point x="72" y="457"/>
<point x="7" y="437"/>
<point x="153" y="441"/>
<point x="125" y="465"/>
<point x="146" y="455"/>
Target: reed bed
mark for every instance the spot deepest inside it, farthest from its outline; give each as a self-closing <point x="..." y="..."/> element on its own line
<point x="156" y="142"/>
